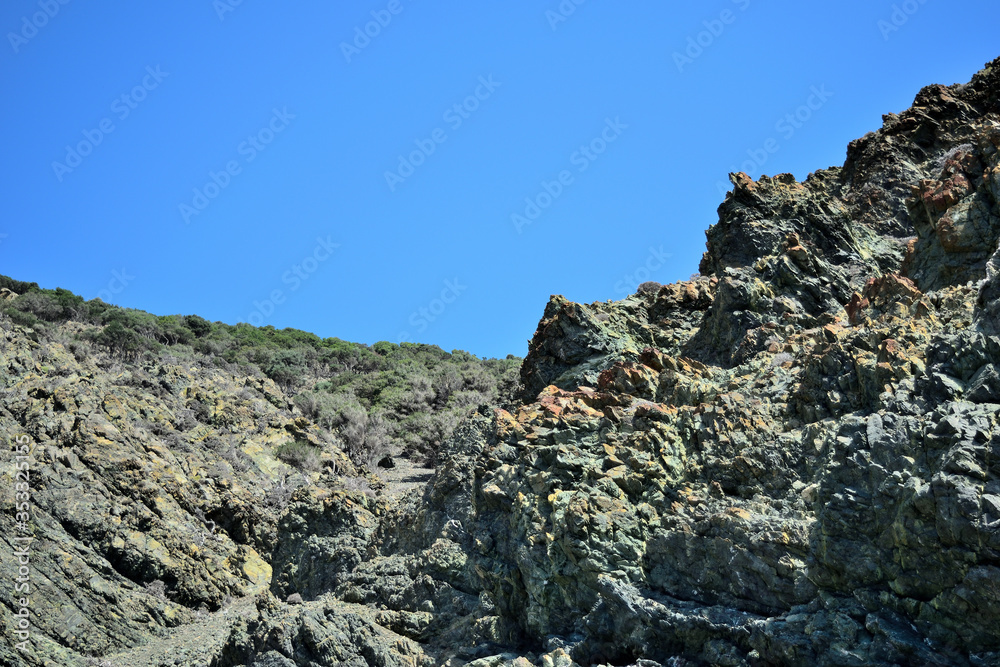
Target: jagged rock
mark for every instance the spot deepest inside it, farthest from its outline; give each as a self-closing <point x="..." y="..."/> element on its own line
<point x="787" y="461"/>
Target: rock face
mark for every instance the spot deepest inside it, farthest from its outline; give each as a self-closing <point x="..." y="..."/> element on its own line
<point x="793" y="459"/>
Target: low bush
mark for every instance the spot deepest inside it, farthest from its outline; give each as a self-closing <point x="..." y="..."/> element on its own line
<point x="300" y="454"/>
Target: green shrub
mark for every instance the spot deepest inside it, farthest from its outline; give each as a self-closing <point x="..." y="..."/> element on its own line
<point x="40" y="304"/>
<point x="199" y="326"/>
<point x="384" y="347"/>
<point x="120" y="341"/>
<point x="174" y="331"/>
<point x="286" y="367"/>
<point x="70" y="303"/>
<point x="300" y="454"/>
<point x="20" y="317"/>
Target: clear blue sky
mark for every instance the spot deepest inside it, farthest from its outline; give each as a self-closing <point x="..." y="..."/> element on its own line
<point x="309" y="128"/>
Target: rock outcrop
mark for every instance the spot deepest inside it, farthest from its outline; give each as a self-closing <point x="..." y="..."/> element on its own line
<point x="791" y="459"/>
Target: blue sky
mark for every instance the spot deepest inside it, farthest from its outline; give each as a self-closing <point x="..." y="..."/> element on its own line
<point x="437" y="178"/>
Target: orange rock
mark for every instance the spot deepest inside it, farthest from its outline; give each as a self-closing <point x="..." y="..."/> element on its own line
<point x="855" y="308"/>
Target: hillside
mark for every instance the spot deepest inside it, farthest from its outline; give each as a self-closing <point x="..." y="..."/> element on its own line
<point x="164" y="450"/>
<point x="379" y="400"/>
<point x="791" y="459"/>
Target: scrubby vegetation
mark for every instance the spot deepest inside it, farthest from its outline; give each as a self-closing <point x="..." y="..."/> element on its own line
<point x="378" y="400"/>
<point x="301" y="454"/>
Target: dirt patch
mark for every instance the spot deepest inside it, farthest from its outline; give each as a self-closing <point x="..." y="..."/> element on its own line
<point x="192" y="645"/>
<point x="404" y="477"/>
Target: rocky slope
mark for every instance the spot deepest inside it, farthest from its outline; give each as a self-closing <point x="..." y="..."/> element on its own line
<point x="128" y="487"/>
<point x="154" y="488"/>
<point x="793" y="459"/>
<point x="790" y="460"/>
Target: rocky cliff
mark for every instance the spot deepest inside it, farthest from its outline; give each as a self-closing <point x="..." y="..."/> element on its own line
<point x="793" y="459"/>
